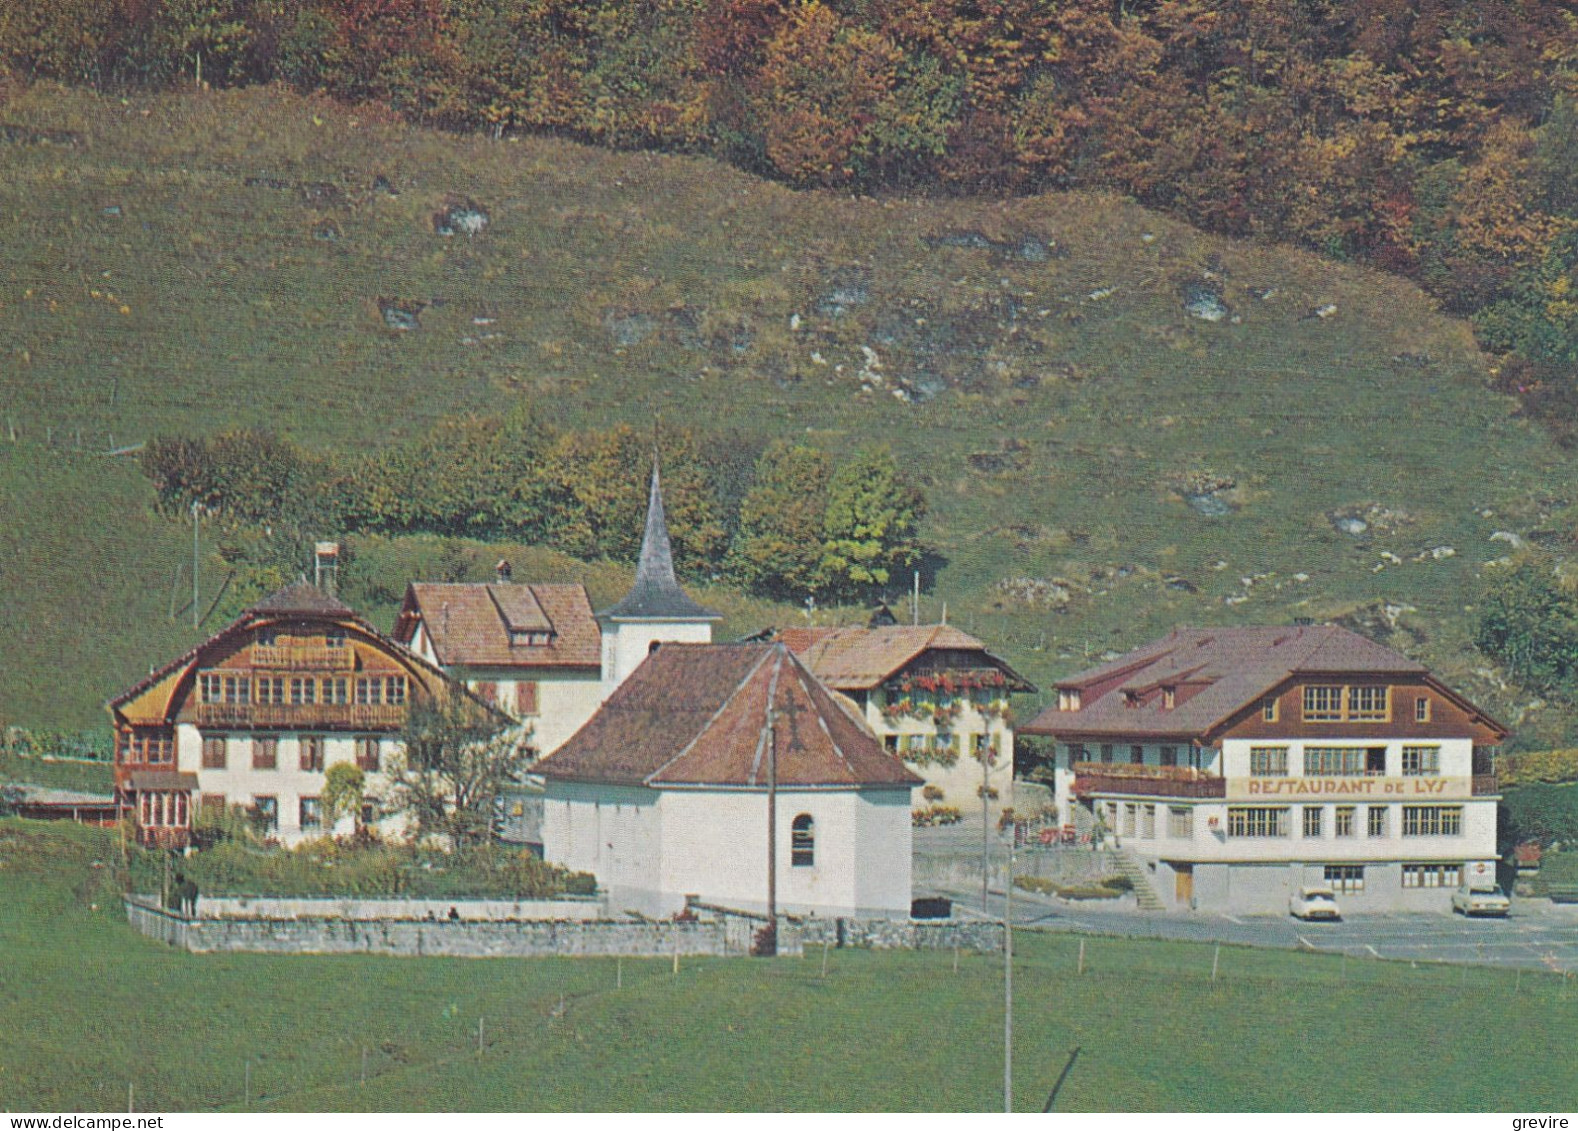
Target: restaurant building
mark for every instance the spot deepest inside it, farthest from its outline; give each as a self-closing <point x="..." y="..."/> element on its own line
<point x="1237" y="765"/>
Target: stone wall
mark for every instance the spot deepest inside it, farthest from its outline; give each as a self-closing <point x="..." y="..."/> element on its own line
<point x="717" y="931"/>
<point x="498" y="910"/>
<point x="404" y="937"/>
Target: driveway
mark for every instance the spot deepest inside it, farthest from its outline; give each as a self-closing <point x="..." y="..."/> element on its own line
<point x="1537" y="935"/>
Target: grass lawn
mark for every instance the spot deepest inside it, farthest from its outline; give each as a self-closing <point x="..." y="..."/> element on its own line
<point x="1064" y="395"/>
<point x="91" y="1006"/>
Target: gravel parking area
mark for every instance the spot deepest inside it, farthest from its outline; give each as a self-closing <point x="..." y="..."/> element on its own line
<point x="1537" y="935"/>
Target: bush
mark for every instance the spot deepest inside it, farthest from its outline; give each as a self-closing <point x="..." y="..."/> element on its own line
<point x="345" y="869"/>
<point x="1543" y="813"/>
<point x="1529" y="623"/>
<point x="1537" y="766"/>
<point x="1108" y="887"/>
<point x="933" y="815"/>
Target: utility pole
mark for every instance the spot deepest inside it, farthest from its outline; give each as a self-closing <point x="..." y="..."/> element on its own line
<point x="1008" y="980"/>
<point x="986" y="825"/>
<point x="195" y="613"/>
<point x="772" y="829"/>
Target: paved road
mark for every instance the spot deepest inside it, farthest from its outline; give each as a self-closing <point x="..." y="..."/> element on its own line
<point x="1537" y="935"/>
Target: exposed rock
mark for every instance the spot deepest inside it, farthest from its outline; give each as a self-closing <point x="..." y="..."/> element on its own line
<point x="1357" y="518"/>
<point x="321" y="194"/>
<point x="382" y="185"/>
<point x="1510" y="538"/>
<point x="1211" y="506"/>
<point x="112" y="210"/>
<point x="460" y="216"/>
<point x="401" y="314"/>
<point x="1205" y="492"/>
<point x="1051" y="594"/>
<point x="1179" y="584"/>
<point x="962" y="238"/>
<point x="629" y="327"/>
<point x="1204" y="301"/>
<point x="1323" y="311"/>
<point x="1380" y="621"/>
<point x="1032" y="249"/>
<point x="849" y="286"/>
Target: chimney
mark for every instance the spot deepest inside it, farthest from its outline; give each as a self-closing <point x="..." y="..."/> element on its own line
<point x="326" y="565"/>
<point x="502" y="571"/>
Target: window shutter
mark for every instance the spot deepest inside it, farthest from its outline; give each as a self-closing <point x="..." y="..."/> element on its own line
<point x="525" y="699"/>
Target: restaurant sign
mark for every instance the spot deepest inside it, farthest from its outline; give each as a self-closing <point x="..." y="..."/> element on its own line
<point x="1349" y="789"/>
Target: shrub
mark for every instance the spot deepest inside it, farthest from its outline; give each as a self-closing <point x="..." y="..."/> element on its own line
<point x="1537" y="766"/>
<point x="933" y="815"/>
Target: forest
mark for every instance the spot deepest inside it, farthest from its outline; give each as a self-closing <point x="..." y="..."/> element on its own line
<point x="1436" y="139"/>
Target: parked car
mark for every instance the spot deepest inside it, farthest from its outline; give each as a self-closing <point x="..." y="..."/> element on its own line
<point x="1314" y="903"/>
<point x="1481" y="899"/>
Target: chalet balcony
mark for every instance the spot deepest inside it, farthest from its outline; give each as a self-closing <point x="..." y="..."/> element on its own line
<point x="302" y="658"/>
<point x="1485" y="785"/>
<point x="304" y="716"/>
<point x="1145" y="781"/>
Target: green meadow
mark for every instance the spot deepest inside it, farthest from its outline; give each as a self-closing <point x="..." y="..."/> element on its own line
<point x="197" y="262"/>
<point x="888" y="1031"/>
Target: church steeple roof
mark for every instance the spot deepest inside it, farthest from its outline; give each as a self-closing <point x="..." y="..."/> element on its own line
<point x="656" y="594"/>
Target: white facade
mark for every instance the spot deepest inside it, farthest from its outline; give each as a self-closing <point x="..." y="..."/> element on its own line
<point x="946" y="755"/>
<point x="239" y="783"/>
<point x="1396" y="827"/>
<point x="651" y="849"/>
<point x="626" y="643"/>
<point x="564" y="699"/>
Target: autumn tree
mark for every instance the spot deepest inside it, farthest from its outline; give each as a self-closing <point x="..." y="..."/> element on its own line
<point x="455" y="758"/>
<point x="778" y="548"/>
<point x="818" y="93"/>
<point x="592" y="491"/>
<point x="871" y="530"/>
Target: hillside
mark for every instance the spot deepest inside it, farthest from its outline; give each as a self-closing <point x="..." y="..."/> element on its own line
<point x="1121" y="423"/>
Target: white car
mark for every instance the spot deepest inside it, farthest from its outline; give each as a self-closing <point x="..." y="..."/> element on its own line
<point x="1314" y="903"/>
<point x="1481" y="899"/>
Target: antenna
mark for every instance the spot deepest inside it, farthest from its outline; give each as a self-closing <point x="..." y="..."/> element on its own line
<point x="915" y="601"/>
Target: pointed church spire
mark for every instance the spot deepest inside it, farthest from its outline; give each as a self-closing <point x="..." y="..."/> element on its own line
<point x="656" y="594"/>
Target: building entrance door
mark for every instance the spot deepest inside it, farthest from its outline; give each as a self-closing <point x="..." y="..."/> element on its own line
<point x="1183" y="883"/>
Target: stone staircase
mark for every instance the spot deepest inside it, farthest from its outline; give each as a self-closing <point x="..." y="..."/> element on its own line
<point x="1138" y="875"/>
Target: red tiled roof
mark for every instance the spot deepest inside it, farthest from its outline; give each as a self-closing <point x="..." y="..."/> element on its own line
<point x="1217" y="671"/>
<point x="855" y="658"/>
<point x="471" y="624"/>
<point x="697" y="715"/>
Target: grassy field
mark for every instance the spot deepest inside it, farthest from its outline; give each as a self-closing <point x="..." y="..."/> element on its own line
<point x="1055" y="395"/>
<point x="883" y="1031"/>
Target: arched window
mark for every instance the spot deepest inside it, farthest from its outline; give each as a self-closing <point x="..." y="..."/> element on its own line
<point x="802" y="842"/>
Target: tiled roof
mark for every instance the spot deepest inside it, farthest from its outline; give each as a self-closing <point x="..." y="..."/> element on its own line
<point x="1217" y="671"/>
<point x="858" y="659"/>
<point x="471" y="624"/>
<point x="300" y="603"/>
<point x="697" y="715"/>
<point x="302" y="597"/>
<point x="656" y="594"/>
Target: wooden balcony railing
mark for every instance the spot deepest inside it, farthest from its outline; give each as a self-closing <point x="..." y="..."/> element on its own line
<point x="1484" y="785"/>
<point x="304" y="716"/>
<point x="1145" y="781"/>
<point x="302" y="657"/>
